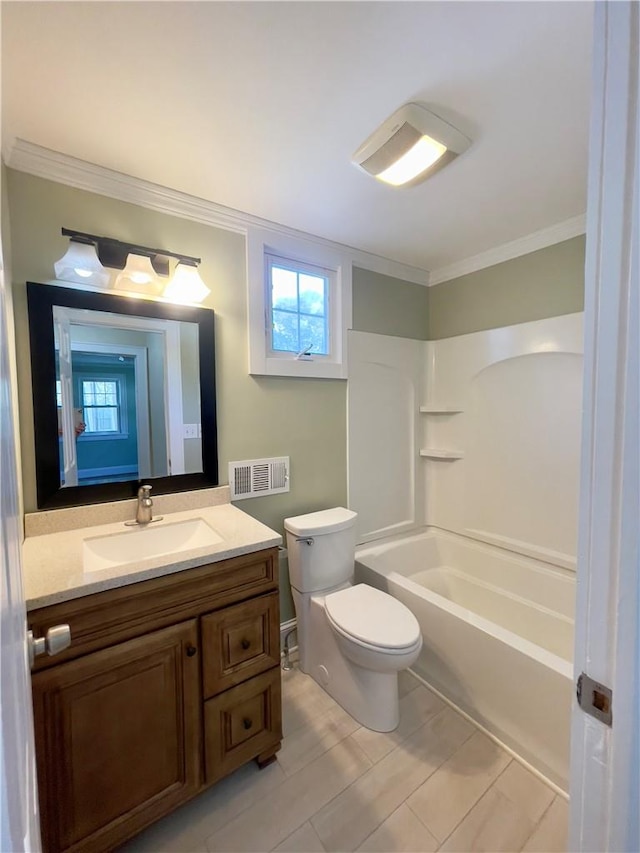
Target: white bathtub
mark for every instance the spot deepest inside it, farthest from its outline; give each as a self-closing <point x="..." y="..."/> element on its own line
<point x="498" y="635"/>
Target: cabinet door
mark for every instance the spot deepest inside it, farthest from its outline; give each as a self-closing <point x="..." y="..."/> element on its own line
<point x="117" y="739"/>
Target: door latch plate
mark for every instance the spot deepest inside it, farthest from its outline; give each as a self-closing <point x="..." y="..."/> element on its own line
<point x="594" y="698"/>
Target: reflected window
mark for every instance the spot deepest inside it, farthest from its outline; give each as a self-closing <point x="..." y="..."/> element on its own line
<point x="101" y="402"/>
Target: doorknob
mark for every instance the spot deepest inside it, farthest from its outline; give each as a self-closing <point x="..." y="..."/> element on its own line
<point x="56" y="639"/>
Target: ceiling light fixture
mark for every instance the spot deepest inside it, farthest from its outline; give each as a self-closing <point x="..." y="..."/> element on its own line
<point x="143" y="268"/>
<point x="410" y="146"/>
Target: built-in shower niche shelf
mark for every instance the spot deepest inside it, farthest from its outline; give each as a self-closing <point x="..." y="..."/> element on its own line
<point x="441" y="410"/>
<point x="440" y="453"/>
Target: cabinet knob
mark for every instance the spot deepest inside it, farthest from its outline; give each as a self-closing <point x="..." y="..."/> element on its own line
<point x="247" y="723"/>
<point x="245" y="643"/>
<point x="191" y="651"/>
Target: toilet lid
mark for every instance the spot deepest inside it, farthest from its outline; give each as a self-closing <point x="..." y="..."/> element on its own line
<point x="373" y="617"/>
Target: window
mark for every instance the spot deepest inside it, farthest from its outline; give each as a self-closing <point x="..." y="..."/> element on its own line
<point x="299" y="300"/>
<point x="102" y="406"/>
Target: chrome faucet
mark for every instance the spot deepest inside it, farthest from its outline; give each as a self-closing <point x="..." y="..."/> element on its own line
<point x="145" y="504"/>
<point x="144" y="509"/>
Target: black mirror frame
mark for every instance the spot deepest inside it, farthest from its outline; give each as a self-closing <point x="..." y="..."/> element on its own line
<point x="41" y="299"/>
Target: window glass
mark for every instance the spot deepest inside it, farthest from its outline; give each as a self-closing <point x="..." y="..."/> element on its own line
<point x="299" y="308"/>
<point x="101" y="406"/>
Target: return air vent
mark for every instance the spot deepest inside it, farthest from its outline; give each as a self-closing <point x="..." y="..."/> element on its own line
<point x="253" y="478"/>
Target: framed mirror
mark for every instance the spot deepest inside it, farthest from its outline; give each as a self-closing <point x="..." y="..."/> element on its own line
<point x="123" y="392"/>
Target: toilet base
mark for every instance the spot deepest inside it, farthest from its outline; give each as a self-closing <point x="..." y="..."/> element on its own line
<point x="369" y="697"/>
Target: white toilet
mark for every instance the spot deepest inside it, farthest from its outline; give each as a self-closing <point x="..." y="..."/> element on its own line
<point x="353" y="640"/>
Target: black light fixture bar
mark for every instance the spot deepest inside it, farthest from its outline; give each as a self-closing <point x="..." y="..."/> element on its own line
<point x="113" y="253"/>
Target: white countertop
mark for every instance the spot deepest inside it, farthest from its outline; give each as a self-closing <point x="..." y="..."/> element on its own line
<point x="53" y="569"/>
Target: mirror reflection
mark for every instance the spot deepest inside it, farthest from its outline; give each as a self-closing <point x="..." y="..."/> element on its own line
<point x="127" y="397"/>
<point x="123" y="392"/>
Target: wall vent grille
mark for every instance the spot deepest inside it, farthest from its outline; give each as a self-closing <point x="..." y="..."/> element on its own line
<point x="252" y="478"/>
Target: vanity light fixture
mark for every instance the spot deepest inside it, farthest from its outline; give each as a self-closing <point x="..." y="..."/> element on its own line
<point x="90" y="258"/>
<point x="138" y="275"/>
<point x="186" y="284"/>
<point x="410" y="146"/>
<point x="80" y="263"/>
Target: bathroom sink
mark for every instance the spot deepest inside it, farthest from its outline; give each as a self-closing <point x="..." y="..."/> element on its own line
<point x="143" y="543"/>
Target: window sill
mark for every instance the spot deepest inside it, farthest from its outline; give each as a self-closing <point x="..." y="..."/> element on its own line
<point x="315" y="369"/>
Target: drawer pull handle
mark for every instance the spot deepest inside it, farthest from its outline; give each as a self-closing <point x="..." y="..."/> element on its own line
<point x="245" y="644"/>
<point x="247" y="723"/>
<point x="191" y="651"/>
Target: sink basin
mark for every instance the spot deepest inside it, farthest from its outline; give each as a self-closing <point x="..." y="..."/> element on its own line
<point x="143" y="543"/>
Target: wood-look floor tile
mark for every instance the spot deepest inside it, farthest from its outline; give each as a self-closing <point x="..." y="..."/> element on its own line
<point x="416" y="707"/>
<point x="550" y="835"/>
<point x="445" y="798"/>
<point x="302" y="701"/>
<point x="187" y="828"/>
<point x="307" y="743"/>
<point x="494" y="825"/>
<point x="303" y="840"/>
<point x="279" y="813"/>
<point x="406" y="682"/>
<point x="526" y="790"/>
<point x="401" y="832"/>
<point x="345" y="822"/>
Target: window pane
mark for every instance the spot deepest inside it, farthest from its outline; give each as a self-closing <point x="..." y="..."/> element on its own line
<point x="284" y="289"/>
<point x="101" y="420"/>
<point x="99" y="393"/>
<point x="313" y="331"/>
<point x="285" y="332"/>
<point x="313" y="294"/>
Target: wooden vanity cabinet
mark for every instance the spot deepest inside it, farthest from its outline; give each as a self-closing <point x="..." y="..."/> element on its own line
<point x="189" y="690"/>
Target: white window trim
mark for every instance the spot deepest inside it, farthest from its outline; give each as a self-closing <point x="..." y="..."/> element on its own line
<point x="261" y="361"/>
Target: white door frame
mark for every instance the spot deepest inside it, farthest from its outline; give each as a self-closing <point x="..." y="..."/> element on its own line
<point x="605" y="791"/>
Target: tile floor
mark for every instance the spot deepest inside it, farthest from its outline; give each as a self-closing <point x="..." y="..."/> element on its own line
<point x="436" y="783"/>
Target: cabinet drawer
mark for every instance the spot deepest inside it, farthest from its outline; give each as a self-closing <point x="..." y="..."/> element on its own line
<point x="239" y="642"/>
<point x="242" y="723"/>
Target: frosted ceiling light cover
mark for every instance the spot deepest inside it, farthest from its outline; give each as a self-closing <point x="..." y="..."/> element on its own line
<point x="80" y="264"/>
<point x="410" y="146"/>
<point x="417" y="159"/>
<point x="138" y="275"/>
<point x="186" y="285"/>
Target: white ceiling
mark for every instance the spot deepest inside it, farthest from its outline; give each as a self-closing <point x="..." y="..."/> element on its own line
<point x="259" y="106"/>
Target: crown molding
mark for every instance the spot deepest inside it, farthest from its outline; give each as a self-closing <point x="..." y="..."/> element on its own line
<point x="33" y="159"/>
<point x="515" y="249"/>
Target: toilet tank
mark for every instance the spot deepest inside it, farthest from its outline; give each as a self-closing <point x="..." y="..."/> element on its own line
<point x="321" y="547"/>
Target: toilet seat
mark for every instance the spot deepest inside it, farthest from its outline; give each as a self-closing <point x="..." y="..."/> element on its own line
<point x="373" y="619"/>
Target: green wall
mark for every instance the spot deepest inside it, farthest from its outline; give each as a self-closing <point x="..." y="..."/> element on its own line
<point x="542" y="284"/>
<point x="389" y="306"/>
<point x="256" y="416"/>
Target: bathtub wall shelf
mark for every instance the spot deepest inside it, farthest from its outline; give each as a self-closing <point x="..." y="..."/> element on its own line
<point x="441" y="410"/>
<point x="439" y="453"/>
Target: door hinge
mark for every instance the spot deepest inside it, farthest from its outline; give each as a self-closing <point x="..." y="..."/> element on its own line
<point x="594" y="698"/>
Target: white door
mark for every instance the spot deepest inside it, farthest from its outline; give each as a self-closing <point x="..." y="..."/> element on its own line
<point x="19" y="829"/>
<point x="605" y="760"/>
